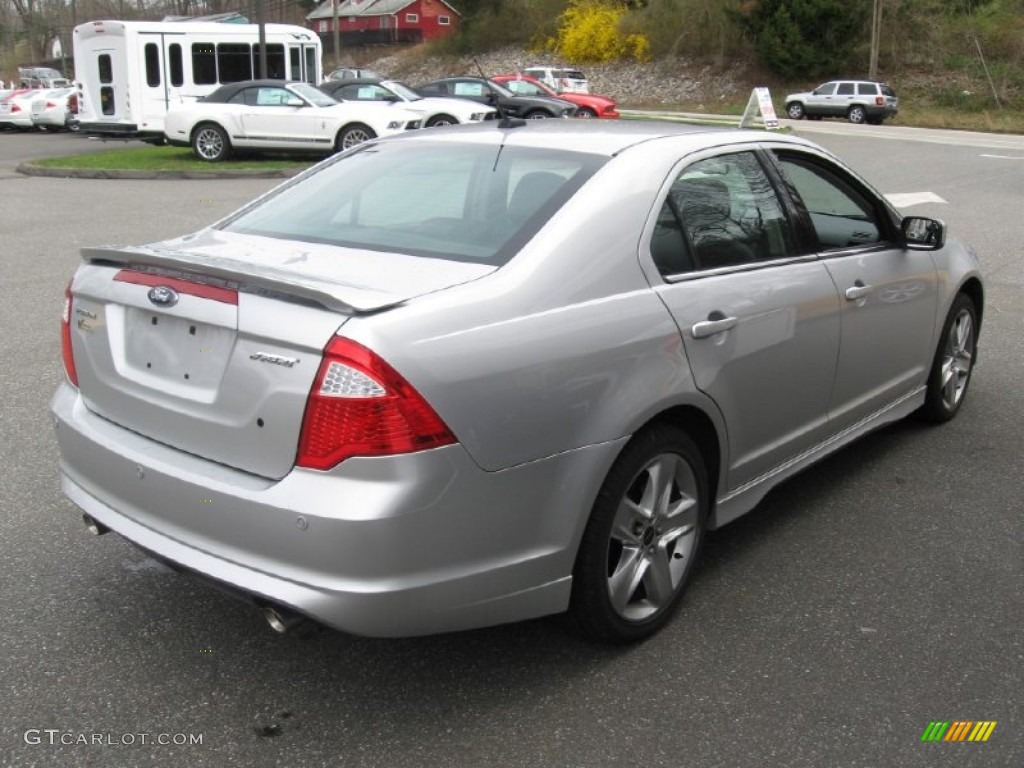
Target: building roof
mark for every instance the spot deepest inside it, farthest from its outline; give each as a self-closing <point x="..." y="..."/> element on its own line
<point x="350" y="8"/>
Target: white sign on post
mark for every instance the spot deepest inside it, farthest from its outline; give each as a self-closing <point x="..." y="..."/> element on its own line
<point x="760" y="105"/>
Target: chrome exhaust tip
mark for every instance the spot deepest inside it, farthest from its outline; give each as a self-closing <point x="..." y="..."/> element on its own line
<point x="281" y="619"/>
<point x="94" y="526"/>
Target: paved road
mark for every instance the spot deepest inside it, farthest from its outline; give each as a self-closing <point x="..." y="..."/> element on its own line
<point x="876" y="592"/>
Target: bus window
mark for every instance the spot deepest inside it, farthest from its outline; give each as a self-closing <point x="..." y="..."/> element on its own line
<point x="234" y="62"/>
<point x="106" y="70"/>
<point x="152" y="65"/>
<point x="311" y="65"/>
<point x="204" y="64"/>
<point x="275" y="61"/>
<point x="177" y="70"/>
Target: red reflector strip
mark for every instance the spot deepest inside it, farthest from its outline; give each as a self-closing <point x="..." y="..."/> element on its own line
<point x="187" y="287"/>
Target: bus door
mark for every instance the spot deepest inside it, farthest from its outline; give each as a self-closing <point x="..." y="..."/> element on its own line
<point x="105" y="86"/>
<point x="162" y="76"/>
<point x="304" y="60"/>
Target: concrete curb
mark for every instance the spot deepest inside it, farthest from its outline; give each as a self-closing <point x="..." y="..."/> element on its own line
<point x="31" y="169"/>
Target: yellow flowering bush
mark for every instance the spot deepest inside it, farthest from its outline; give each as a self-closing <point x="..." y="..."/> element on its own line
<point x="590" y="31"/>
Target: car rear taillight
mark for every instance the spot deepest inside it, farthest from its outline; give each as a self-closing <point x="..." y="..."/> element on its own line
<point x="879" y="100"/>
<point x="15" y="107"/>
<point x="51" y="104"/>
<point x="65" y="338"/>
<point x="73" y="103"/>
<point x="361" y="406"/>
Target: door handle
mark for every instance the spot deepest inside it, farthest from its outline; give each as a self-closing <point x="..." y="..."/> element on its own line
<point x="710" y="327"/>
<point x="858" y="291"/>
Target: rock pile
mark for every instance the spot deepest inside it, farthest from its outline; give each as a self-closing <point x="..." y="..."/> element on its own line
<point x="666" y="82"/>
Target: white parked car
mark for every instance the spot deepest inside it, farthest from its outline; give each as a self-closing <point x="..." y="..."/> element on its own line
<point x="56" y="110"/>
<point x="275" y="115"/>
<point x="560" y="79"/>
<point x="16" y="109"/>
<point x="433" y="110"/>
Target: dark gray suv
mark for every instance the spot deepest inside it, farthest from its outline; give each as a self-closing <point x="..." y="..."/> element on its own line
<point x="859" y="101"/>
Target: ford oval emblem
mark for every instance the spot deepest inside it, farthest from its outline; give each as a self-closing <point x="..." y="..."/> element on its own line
<point x="163" y="296"/>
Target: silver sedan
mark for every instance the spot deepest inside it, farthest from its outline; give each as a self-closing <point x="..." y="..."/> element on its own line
<point x="458" y="378"/>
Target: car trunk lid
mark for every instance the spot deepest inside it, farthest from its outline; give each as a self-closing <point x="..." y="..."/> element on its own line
<point x="213" y="350"/>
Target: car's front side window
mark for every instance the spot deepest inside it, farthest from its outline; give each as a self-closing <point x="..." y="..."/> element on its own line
<point x="721" y="212"/>
<point x="843" y="216"/>
<point x="825" y="90"/>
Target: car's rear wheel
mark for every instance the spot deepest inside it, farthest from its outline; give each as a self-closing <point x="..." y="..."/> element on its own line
<point x="641" y="543"/>
<point x="351" y="135"/>
<point x="586" y="113"/>
<point x="795" y="110"/>
<point x="954" y="362"/>
<point x="210" y="142"/>
<point x="439" y="120"/>
<point x="856" y="114"/>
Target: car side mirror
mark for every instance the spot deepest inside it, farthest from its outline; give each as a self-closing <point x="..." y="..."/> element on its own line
<point x="923" y="234"/>
<point x="295" y="103"/>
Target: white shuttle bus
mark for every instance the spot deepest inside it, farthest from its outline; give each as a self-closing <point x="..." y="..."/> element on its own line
<point x="128" y="73"/>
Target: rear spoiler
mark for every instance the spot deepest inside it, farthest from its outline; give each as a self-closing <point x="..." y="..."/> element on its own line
<point x="247" y="277"/>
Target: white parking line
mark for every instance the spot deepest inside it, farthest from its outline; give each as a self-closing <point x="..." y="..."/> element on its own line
<point x="1004" y="157"/>
<point x="905" y="199"/>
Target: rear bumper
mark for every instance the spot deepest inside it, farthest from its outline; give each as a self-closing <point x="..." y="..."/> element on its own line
<point x="118" y="130"/>
<point x="396" y="546"/>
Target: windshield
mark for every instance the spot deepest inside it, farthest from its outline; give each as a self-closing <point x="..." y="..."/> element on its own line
<point x="403" y="90"/>
<point x="313" y="95"/>
<point x="461" y="202"/>
<point x="501" y="89"/>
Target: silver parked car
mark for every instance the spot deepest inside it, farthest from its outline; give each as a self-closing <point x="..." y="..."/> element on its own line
<point x="458" y="378"/>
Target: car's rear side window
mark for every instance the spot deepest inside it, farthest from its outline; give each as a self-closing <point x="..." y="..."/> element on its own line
<point x="721" y="212"/>
<point x="463" y="202"/>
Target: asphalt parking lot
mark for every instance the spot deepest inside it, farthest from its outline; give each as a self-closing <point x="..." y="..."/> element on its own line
<point x="873" y="594"/>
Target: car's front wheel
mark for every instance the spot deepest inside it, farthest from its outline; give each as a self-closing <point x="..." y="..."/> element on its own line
<point x="351" y="135"/>
<point x="210" y="142"/>
<point x="856" y="114"/>
<point x="640" y="545"/>
<point x="439" y="120"/>
<point x="795" y="110"/>
<point x="537" y="114"/>
<point x="954" y="362"/>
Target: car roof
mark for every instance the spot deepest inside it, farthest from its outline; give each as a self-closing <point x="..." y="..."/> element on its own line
<point x="225" y="92"/>
<point x="336" y="84"/>
<point x="607" y="137"/>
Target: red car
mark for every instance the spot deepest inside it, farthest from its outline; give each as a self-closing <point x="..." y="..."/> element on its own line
<point x="588" y="104"/>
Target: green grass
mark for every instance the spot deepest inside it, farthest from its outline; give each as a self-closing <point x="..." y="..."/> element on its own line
<point x="150" y="158"/>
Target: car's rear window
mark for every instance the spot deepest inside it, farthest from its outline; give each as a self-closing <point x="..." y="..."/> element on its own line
<point x="463" y="202"/>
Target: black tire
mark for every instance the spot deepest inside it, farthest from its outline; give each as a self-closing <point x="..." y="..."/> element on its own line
<point x="643" y="536"/>
<point x="210" y="142"/>
<point x="438" y="120"/>
<point x="537" y="114"/>
<point x="954" y="362"/>
<point x="795" y="110"/>
<point x="857" y="114"/>
<point x="586" y="113"/>
<point x="352" y="135"/>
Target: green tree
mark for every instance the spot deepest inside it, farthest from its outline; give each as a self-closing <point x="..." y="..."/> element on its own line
<point x="800" y="39"/>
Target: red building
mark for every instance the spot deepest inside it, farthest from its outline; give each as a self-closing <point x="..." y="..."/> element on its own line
<point x="377" y="21"/>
